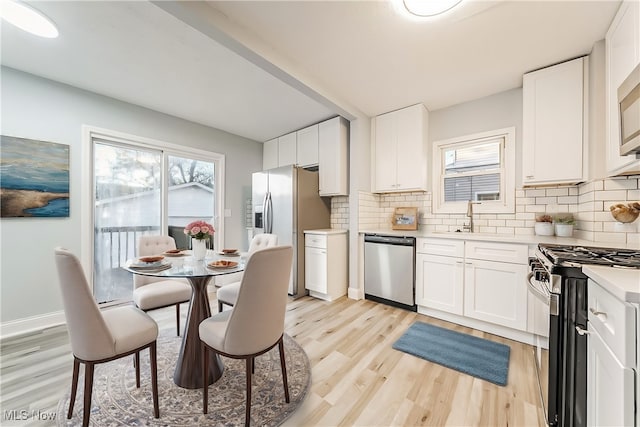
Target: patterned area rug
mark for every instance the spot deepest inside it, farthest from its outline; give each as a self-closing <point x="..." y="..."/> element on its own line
<point x="117" y="401"/>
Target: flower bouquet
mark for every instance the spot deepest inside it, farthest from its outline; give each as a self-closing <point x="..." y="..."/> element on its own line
<point x="199" y="231"/>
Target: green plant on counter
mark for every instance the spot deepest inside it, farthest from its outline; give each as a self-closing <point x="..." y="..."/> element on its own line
<point x="564" y="219"/>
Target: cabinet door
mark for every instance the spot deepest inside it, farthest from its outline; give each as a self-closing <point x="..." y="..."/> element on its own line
<point x="496" y="292"/>
<point x="610" y="394"/>
<point x="270" y="154"/>
<point x="315" y="267"/>
<point x="553" y="124"/>
<point x="622" y="55"/>
<point x="385" y="160"/>
<point x="307" y="146"/>
<point x="333" y="157"/>
<point x="439" y="282"/>
<point x="411" y="142"/>
<point x="287" y="149"/>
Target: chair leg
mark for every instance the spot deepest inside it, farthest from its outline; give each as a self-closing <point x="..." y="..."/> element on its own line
<point x="136" y="363"/>
<point x="154" y="378"/>
<point x="74" y="386"/>
<point x="88" y="389"/>
<point x="219" y="307"/>
<point x="283" y="365"/>
<point x="247" y="416"/>
<point x="178" y="319"/>
<point x="205" y="374"/>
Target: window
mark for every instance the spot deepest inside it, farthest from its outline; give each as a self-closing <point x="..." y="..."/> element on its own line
<point x="479" y="167"/>
<point x="136" y="186"/>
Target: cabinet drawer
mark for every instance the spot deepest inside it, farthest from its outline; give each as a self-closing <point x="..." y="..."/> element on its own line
<point x="315" y="241"/>
<point x="444" y="247"/>
<point x="499" y="252"/>
<point x="615" y="322"/>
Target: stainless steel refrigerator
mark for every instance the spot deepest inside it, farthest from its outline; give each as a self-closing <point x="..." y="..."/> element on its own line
<point x="286" y="202"/>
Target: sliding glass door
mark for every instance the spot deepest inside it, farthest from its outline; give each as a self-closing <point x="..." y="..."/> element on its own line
<point x="191" y="196"/>
<point x="128" y="204"/>
<point x="140" y="189"/>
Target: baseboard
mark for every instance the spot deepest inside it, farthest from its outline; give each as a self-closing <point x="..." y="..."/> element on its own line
<point x="513" y="334"/>
<point x="31" y="324"/>
<point x="355" y="294"/>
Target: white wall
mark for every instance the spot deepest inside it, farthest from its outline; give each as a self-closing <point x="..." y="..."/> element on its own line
<point x="37" y="108"/>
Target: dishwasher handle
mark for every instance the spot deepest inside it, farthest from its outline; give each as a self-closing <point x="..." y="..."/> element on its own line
<point x="390" y="240"/>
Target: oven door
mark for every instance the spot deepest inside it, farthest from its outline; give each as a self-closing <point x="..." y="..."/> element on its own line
<point x="546" y="321"/>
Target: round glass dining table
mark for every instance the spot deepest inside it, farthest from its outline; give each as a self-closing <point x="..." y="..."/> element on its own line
<point x="188" y="372"/>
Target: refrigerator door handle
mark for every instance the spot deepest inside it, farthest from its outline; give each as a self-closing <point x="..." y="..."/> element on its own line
<point x="269" y="218"/>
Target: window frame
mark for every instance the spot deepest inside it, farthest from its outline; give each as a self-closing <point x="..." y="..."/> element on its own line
<point x="506" y="170"/>
<point x="89" y="133"/>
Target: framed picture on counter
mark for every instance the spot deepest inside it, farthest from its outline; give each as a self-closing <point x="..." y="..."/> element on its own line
<point x="405" y="219"/>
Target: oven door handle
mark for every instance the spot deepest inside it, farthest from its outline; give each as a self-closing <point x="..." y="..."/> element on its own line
<point x="544" y="295"/>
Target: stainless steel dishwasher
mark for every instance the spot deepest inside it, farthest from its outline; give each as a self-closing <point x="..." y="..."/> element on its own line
<point x="389" y="270"/>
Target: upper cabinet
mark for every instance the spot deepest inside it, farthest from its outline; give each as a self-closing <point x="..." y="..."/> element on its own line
<point x="324" y="145"/>
<point x="287" y="145"/>
<point x="622" y="55"/>
<point x="553" y="124"/>
<point x="270" y="154"/>
<point x="307" y="146"/>
<point x="399" y="150"/>
<point x="333" y="165"/>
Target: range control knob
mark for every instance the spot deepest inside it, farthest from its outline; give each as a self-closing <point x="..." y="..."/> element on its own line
<point x="541" y="275"/>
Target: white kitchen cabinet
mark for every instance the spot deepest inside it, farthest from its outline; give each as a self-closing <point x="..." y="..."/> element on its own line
<point x="611" y="359"/>
<point x="326" y="263"/>
<point x="270" y="154"/>
<point x="399" y="150"/>
<point x="287" y="149"/>
<point x="439" y="282"/>
<point x="333" y="158"/>
<point x="622" y="54"/>
<point x="496" y="292"/>
<point x="307" y="146"/>
<point x="553" y="124"/>
<point x="440" y="274"/>
<point x="473" y="280"/>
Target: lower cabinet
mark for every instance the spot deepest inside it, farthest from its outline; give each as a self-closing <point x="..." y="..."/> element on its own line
<point x="611" y="359"/>
<point x="485" y="281"/>
<point x="440" y="282"/>
<point x="495" y="292"/>
<point x="325" y="263"/>
<point x="610" y="393"/>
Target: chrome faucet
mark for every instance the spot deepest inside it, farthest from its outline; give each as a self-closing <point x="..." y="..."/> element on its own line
<point x="470" y="215"/>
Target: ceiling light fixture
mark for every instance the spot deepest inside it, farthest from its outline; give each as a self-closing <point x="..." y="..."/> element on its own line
<point x="428" y="8"/>
<point x="27" y="18"/>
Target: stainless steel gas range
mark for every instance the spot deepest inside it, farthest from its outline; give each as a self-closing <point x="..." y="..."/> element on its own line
<point x="556" y="277"/>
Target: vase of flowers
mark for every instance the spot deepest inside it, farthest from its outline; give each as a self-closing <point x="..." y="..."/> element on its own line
<point x="199" y="231"/>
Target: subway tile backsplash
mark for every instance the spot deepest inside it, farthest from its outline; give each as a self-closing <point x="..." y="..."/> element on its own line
<point x="589" y="203"/>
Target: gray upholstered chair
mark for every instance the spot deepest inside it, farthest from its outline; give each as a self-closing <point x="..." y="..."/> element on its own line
<point x="101" y="336"/>
<point x="256" y="323"/>
<point x="149" y="292"/>
<point x="228" y="294"/>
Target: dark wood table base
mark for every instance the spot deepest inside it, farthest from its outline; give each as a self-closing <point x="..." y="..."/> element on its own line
<point x="188" y="373"/>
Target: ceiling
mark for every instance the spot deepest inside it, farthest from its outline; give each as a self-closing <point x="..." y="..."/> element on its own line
<point x="261" y="69"/>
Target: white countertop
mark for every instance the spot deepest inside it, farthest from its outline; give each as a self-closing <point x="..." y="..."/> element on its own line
<point x="623" y="283"/>
<point x="507" y="238"/>
<point x="326" y="231"/>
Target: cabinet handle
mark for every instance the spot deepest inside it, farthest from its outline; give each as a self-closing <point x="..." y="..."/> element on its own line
<point x="581" y="331"/>
<point x="597" y="313"/>
<point x="529" y="176"/>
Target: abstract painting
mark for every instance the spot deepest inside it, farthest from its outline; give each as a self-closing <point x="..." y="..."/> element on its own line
<point x="34" y="178"/>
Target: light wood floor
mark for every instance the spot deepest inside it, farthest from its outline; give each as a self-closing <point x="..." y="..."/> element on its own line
<point x="357" y="378"/>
